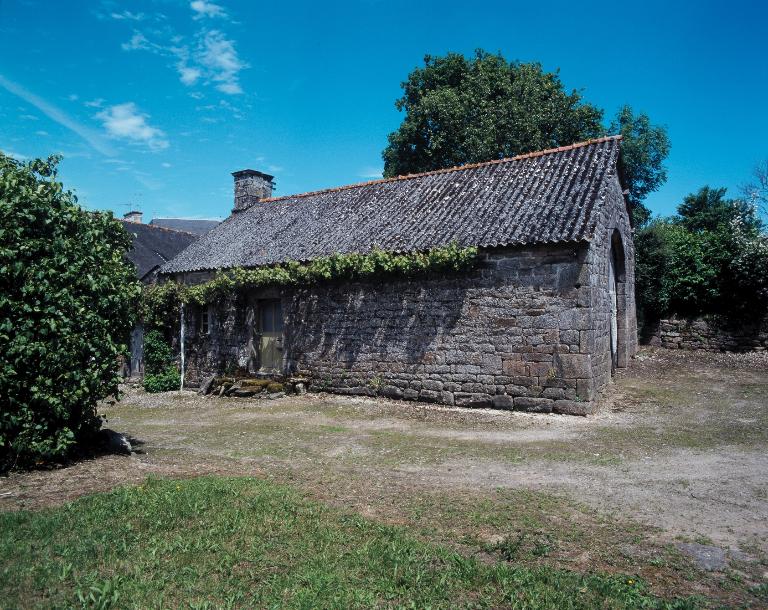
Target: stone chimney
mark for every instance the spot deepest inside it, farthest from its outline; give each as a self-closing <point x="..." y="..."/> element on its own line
<point x="251" y="186"/>
<point x="133" y="216"/>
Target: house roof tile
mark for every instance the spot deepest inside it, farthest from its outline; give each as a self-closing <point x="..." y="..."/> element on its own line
<point x="542" y="197"/>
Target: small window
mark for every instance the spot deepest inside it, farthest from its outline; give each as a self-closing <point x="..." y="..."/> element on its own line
<point x="205" y="320"/>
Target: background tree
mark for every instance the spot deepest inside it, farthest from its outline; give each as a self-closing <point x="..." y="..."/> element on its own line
<point x="709" y="259"/>
<point x="464" y="110"/>
<point x="756" y="190"/>
<point x="65" y="303"/>
<point x="643" y="151"/>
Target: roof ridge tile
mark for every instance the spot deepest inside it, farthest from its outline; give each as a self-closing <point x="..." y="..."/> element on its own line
<point x="445" y="170"/>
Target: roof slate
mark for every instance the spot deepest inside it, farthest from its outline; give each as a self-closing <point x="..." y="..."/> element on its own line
<point x="190" y="225"/>
<point x="542" y="197"/>
<point x="154" y="246"/>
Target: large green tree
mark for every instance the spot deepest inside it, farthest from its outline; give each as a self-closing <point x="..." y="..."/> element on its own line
<point x="643" y="151"/>
<point x="463" y="110"/>
<point x="65" y="302"/>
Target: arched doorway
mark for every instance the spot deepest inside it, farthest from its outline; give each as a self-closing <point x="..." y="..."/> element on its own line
<point x="617" y="301"/>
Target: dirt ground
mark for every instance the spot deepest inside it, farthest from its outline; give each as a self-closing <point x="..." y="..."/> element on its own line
<point x="676" y="456"/>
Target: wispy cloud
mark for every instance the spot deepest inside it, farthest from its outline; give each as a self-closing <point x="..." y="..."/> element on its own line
<point x="203" y="9"/>
<point x="210" y="57"/>
<point x="217" y="54"/>
<point x="125" y="121"/>
<point x="128" y="16"/>
<point x="91" y="136"/>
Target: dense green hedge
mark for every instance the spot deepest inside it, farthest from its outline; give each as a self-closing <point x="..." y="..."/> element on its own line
<point x="65" y="313"/>
<point x="711" y="259"/>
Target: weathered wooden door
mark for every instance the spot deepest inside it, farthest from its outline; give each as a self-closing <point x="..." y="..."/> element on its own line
<point x="271" y="335"/>
<point x="614" y="310"/>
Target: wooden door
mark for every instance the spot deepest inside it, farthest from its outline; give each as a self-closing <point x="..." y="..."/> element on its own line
<point x="271" y="336"/>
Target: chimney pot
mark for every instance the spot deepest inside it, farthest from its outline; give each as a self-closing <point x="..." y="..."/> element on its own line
<point x="133" y="216"/>
<point x="250" y="187"/>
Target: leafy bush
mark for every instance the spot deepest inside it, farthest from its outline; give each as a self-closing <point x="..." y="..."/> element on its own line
<point x="710" y="259"/>
<point x="160" y="372"/>
<point x="65" y="305"/>
<point x="164" y="381"/>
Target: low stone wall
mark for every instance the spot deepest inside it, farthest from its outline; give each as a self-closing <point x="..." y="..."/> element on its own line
<point x="708" y="335"/>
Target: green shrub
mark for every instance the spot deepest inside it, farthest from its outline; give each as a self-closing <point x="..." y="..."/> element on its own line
<point x="709" y="260"/>
<point x="160" y="372"/>
<point x="272" y="388"/>
<point x="157" y="352"/>
<point x="65" y="313"/>
<point x="165" y="381"/>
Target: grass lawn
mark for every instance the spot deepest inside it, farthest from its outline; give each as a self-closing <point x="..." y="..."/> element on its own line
<point x="243" y="542"/>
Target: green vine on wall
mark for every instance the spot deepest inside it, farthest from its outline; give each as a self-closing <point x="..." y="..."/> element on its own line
<point x="160" y="303"/>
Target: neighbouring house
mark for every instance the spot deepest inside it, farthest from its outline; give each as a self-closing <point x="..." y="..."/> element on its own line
<point x="540" y="324"/>
<point x="152" y="247"/>
<point x="197" y="226"/>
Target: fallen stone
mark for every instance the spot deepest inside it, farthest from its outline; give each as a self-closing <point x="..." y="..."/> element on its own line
<point x="707" y="557"/>
<point x="572" y="407"/>
<point x="206" y="386"/>
<point x="233" y="388"/>
<point x="242" y="393"/>
<point x="300" y="388"/>
<point x="275" y="395"/>
<point x="503" y="402"/>
<point x="114" y="442"/>
<point x="533" y="405"/>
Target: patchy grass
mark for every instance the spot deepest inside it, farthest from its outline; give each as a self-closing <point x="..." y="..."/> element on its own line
<point x="241" y="542"/>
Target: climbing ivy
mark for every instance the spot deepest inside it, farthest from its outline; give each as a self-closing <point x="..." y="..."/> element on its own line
<point x="159" y="305"/>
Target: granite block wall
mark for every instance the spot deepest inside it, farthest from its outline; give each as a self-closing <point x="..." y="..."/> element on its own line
<point x="709" y="335"/>
<point x="517" y="332"/>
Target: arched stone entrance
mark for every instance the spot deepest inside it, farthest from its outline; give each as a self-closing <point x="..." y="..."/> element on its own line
<point x="617" y="302"/>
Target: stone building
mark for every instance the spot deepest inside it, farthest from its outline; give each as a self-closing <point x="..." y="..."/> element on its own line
<point x="151" y="247"/>
<point x="540" y="324"/>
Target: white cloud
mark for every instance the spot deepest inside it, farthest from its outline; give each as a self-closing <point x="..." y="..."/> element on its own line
<point x="41" y="133"/>
<point x="97" y="103"/>
<point x="218" y="55"/>
<point x="73" y="97"/>
<point x="189" y="75"/>
<point x="203" y="8"/>
<point x="213" y="59"/>
<point x="128" y="16"/>
<point x="52" y="112"/>
<point x="137" y="41"/>
<point x="166" y="164"/>
<point x="125" y="121"/>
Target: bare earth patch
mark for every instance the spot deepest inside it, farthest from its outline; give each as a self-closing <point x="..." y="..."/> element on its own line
<point x="676" y="455"/>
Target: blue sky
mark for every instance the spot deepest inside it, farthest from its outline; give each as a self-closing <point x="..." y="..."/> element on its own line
<point x="153" y="104"/>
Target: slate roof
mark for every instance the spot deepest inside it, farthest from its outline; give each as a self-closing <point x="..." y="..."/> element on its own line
<point x="154" y="246"/>
<point x="542" y="197"/>
<point x="190" y="225"/>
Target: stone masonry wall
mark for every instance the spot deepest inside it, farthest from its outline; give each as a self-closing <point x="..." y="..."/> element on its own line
<point x="709" y="335"/>
<point x="515" y="333"/>
<point x="613" y="232"/>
